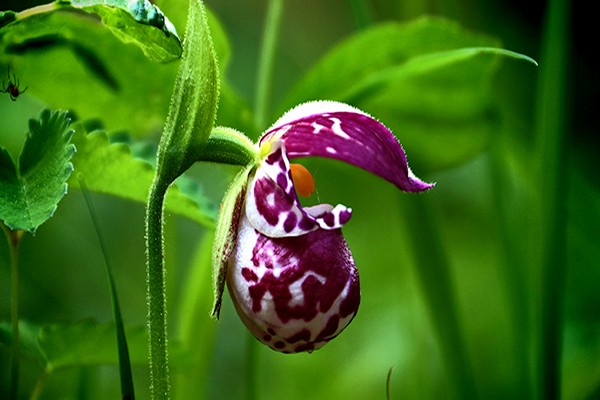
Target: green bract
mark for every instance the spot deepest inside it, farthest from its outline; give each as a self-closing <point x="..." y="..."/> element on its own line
<point x="193" y="102"/>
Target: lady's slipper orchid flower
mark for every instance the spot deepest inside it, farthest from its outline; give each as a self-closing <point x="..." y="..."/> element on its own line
<point x="290" y="273"/>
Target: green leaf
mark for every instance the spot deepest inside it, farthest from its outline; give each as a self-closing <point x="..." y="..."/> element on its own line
<point x="135" y="23"/>
<point x="70" y="60"/>
<point x="427" y="80"/>
<point x="65" y="345"/>
<point x="30" y="191"/>
<point x="111" y="169"/>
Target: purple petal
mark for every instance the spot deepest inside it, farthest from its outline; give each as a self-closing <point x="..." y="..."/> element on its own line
<point x="294" y="293"/>
<point x="272" y="205"/>
<point x="338" y="131"/>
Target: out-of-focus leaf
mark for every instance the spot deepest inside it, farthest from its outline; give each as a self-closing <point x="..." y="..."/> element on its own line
<point x="111" y="169"/>
<point x="71" y="61"/>
<point x="138" y="22"/>
<point x="64" y="345"/>
<point x="31" y="190"/>
<point x="427" y="80"/>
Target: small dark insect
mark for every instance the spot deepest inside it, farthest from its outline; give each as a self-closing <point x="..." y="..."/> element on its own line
<point x="12" y="88"/>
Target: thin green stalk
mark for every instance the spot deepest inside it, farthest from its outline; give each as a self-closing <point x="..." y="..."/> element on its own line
<point x="14" y="240"/>
<point x="155" y="292"/>
<point x="551" y="117"/>
<point x="127" y="390"/>
<point x="433" y="273"/>
<point x="264" y="77"/>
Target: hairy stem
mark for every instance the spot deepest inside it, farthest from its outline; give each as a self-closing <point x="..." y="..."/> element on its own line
<point x="155" y="291"/>
<point x="264" y="78"/>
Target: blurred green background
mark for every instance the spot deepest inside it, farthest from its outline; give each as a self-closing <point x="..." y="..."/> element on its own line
<point x="484" y="216"/>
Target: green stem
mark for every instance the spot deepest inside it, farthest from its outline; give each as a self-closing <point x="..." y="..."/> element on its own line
<point x="434" y="276"/>
<point x="14" y="240"/>
<point x="551" y="117"/>
<point x="155" y="291"/>
<point x="264" y="78"/>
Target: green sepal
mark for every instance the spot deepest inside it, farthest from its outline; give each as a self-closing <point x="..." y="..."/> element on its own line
<point x="31" y="190"/>
<point x="194" y="100"/>
<point x="226" y="233"/>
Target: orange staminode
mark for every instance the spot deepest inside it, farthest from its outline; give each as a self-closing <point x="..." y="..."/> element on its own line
<point x="303" y="180"/>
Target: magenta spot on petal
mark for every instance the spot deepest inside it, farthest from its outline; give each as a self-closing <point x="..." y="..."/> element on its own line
<point x="306" y="224"/>
<point x="305" y="347"/>
<point x="290" y="222"/>
<point x="262" y="188"/>
<point x="282" y="181"/>
<point x="303" y="335"/>
<point x="271" y="331"/>
<point x="330" y="329"/>
<point x="267" y="338"/>
<point x="257" y="292"/>
<point x="274" y="157"/>
<point x="279" y="345"/>
<point x="345" y="216"/>
<point x="249" y="275"/>
<point x="322" y="252"/>
<point x="329" y="219"/>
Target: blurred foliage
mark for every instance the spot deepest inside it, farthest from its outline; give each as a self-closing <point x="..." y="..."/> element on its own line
<point x="466" y="118"/>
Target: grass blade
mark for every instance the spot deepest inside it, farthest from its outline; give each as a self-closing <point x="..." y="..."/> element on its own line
<point x="127" y="390"/>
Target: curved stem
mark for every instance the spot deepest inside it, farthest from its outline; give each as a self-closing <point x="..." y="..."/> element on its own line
<point x="155" y="291"/>
<point x="264" y="77"/>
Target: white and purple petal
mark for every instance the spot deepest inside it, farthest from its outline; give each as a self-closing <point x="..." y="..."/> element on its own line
<point x="272" y="205"/>
<point x="339" y="131"/>
<point x="293" y="293"/>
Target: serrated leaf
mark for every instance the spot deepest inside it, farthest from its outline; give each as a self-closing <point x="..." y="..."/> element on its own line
<point x="30" y="191"/>
<point x="111" y="169"/>
<point x="427" y="80"/>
